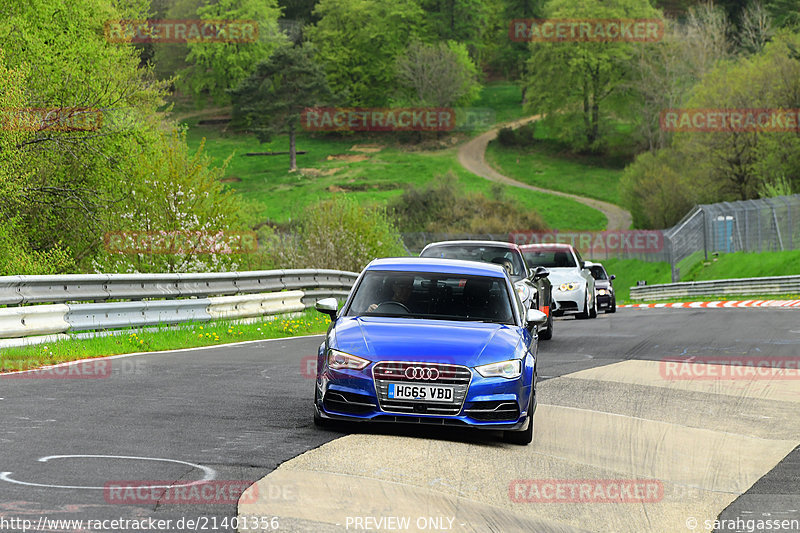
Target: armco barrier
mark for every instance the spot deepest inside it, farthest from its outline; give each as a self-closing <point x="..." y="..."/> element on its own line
<point x="256" y="305"/>
<point x="152" y="299"/>
<point x="37" y="320"/>
<point x="750" y="286"/>
<point x="16" y="290"/>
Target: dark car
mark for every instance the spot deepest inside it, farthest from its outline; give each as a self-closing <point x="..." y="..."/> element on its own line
<point x="532" y="284"/>
<point x="603" y="288"/>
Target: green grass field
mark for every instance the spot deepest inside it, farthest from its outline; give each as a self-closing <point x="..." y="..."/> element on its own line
<point x="190" y="335"/>
<point x="735" y="265"/>
<point x="504" y="98"/>
<point x="374" y="169"/>
<point x="542" y="168"/>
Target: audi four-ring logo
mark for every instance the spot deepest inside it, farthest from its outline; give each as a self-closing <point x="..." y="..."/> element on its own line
<point x="422" y="372"/>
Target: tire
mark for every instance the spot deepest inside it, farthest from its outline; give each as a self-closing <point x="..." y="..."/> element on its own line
<point x="523" y="437"/>
<point x="585" y="313"/>
<point x="613" y="307"/>
<point x="547" y="334"/>
<point x="593" y="310"/>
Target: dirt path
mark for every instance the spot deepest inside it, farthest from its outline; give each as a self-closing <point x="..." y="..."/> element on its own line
<point x="472" y="156"/>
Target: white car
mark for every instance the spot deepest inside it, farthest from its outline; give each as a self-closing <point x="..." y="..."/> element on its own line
<point x="573" y="284"/>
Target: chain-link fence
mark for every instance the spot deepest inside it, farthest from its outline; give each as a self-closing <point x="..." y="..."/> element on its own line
<point x="764" y="225"/>
<point x="769" y="224"/>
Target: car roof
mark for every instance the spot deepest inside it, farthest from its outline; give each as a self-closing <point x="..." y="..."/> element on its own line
<point x="499" y="244"/>
<point x="435" y="264"/>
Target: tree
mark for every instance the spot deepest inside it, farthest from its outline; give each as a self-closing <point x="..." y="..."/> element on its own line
<point x="213" y="69"/>
<point x="755" y="28"/>
<point x="663" y="73"/>
<point x="574" y="82"/>
<point x="439" y="75"/>
<point x="741" y="161"/>
<point x="786" y="13"/>
<point x="272" y="99"/>
<point x="510" y="56"/>
<point x="458" y="20"/>
<point x="359" y="42"/>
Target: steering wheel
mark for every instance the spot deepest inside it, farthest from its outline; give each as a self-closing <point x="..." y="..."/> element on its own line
<point x="392" y="307"/>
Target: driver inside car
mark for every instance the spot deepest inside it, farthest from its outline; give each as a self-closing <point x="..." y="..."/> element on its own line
<point x="401" y="292"/>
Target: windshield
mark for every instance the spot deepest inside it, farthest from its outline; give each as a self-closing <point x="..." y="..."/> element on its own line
<point x="598" y="272"/>
<point x="498" y="255"/>
<point x="550" y="258"/>
<point x="433" y="296"/>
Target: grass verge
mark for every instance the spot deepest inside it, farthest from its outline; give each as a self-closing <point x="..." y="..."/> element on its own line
<point x="189" y="335"/>
<point x="584" y="176"/>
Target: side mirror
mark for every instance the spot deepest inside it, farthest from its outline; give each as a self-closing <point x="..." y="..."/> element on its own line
<point x="329" y="306"/>
<point x="539" y="272"/>
<point x="583" y="265"/>
<point x="534" y="316"/>
<point x="612" y="277"/>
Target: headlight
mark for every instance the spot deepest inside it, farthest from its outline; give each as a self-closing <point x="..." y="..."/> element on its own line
<point x="338" y="360"/>
<point x="601" y="292"/>
<point x="571" y="286"/>
<point x="523" y="291"/>
<point x="504" y="369"/>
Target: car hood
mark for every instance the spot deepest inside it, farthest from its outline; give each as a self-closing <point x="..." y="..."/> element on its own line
<point x="441" y="341"/>
<point x="563" y="275"/>
<point x="601" y="284"/>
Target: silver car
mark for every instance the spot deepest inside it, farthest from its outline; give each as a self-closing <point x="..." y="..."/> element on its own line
<point x="573" y="284"/>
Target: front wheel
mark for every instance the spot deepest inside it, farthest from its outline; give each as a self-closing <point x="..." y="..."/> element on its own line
<point x="593" y="310"/>
<point x="585" y="313"/>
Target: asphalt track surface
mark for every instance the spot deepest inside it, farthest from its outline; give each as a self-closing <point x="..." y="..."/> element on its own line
<point x="719" y="449"/>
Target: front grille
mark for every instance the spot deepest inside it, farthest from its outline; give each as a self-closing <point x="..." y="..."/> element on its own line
<point x="347" y="402"/>
<point x="567" y="305"/>
<point x="492" y="411"/>
<point x="395" y="372"/>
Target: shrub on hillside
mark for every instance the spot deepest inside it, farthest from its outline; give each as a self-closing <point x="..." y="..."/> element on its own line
<point x="16" y="257"/>
<point x="442" y="206"/>
<point x="340" y="234"/>
<point x="522" y="136"/>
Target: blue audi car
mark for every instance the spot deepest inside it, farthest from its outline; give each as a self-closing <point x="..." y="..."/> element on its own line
<point x="436" y="341"/>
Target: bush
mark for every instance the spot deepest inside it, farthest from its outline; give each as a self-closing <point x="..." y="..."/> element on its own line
<point x="443" y="207"/>
<point x="340" y="234"/>
<point x="16" y="257"/>
<point x="658" y="189"/>
<point x="522" y="136"/>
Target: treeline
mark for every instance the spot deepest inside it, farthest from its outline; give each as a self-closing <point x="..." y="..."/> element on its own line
<point x="63" y="188"/>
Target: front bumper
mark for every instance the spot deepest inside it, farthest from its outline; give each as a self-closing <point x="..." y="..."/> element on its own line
<point x="604" y="300"/>
<point x="484" y="403"/>
<point x="568" y="301"/>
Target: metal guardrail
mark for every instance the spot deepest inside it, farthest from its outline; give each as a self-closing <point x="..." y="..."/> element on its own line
<point x="758" y="286"/>
<point x="22" y="290"/>
<point x="153" y="299"/>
